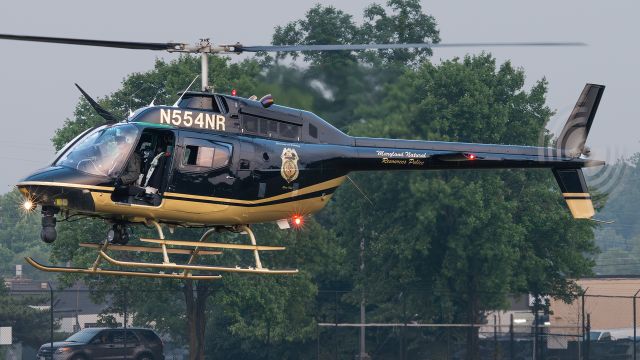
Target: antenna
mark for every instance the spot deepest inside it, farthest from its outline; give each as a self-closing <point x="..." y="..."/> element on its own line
<point x="155" y="97"/>
<point x="185" y="90"/>
<point x="131" y="96"/>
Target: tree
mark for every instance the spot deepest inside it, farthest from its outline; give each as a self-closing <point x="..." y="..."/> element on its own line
<point x="472" y="237"/>
<point x="619" y="241"/>
<point x="29" y="325"/>
<point x="346" y="80"/>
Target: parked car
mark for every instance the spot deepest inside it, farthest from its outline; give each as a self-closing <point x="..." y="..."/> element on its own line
<point x="106" y="344"/>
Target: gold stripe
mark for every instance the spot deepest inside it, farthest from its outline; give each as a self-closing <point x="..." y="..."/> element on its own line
<point x="583" y="194"/>
<point x="69" y="185"/>
<point x="199" y="213"/>
<point x="581" y="208"/>
<point x="306" y="190"/>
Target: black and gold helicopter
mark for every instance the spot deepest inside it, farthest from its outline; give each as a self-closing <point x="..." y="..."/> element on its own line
<point x="226" y="162"/>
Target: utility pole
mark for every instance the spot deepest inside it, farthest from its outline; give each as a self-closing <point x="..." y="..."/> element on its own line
<point x="584" y="332"/>
<point x="363" y="352"/>
<point x="635" y="296"/>
<point x="51" y="314"/>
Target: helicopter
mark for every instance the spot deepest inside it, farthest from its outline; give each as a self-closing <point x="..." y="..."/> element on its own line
<point x="224" y="162"/>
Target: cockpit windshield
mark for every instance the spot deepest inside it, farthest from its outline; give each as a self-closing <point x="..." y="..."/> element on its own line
<point x="103" y="152"/>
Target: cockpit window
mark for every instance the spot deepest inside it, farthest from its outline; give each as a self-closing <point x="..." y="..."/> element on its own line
<point x="103" y="151"/>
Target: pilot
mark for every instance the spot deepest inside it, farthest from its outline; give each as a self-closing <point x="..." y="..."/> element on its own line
<point x="156" y="167"/>
<point x="132" y="171"/>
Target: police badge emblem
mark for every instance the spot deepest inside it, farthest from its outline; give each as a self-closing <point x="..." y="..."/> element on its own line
<point x="289" y="169"/>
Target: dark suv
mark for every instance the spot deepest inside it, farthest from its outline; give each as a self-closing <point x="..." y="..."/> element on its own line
<point x="106" y="344"/>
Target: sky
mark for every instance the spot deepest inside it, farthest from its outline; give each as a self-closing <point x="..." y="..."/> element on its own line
<point x="36" y="80"/>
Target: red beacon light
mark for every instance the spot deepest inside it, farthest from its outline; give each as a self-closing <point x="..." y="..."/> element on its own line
<point x="234" y="92"/>
<point x="297" y="221"/>
<point x="470" y="156"/>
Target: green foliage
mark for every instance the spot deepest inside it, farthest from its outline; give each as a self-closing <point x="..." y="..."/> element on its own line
<point x="406" y="24"/>
<point x="344" y="81"/>
<point x="472" y="236"/>
<point x="19" y="236"/>
<point x="402" y="21"/>
<point x="620" y="240"/>
<point x="29" y="324"/>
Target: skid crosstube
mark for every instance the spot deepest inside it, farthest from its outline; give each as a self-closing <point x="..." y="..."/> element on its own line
<point x="185" y="276"/>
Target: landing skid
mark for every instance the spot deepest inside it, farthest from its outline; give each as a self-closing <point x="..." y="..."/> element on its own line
<point x="98" y="271"/>
<point x="178" y="271"/>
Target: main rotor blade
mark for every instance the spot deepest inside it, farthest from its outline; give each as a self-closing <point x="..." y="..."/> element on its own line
<point x="109" y="117"/>
<point x="352" y="47"/>
<point x="102" y="43"/>
<point x="239" y="48"/>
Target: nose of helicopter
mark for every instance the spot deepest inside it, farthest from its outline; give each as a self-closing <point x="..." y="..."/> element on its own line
<point x="63" y="188"/>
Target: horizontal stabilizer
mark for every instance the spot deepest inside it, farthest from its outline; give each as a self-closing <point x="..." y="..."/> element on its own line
<point x="575" y="192"/>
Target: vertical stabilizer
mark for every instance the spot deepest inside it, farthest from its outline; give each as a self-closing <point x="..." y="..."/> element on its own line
<point x="576" y="129"/>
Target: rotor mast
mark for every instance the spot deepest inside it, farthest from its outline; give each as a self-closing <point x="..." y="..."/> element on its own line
<point x="204" y="65"/>
<point x="205" y="49"/>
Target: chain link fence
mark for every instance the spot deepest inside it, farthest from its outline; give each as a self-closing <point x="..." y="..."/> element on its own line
<point x="593" y="326"/>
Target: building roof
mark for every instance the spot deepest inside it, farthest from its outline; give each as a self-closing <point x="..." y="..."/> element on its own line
<point x="71" y="300"/>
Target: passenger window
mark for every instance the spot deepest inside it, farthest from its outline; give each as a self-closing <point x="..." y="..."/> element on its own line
<point x="250" y="123"/>
<point x="313" y="131"/>
<point x="273" y="127"/>
<point x="268" y="127"/>
<point x="205" y="155"/>
<point x="290" y="131"/>
<point x="198" y="155"/>
<point x="264" y="130"/>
